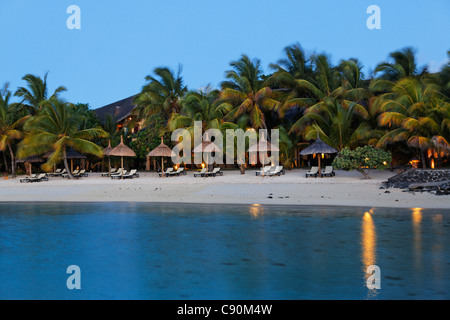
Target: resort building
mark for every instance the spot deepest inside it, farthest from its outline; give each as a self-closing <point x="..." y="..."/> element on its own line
<point x="121" y="112"/>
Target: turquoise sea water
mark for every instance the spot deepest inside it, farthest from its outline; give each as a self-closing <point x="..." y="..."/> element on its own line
<point x="162" y="251"/>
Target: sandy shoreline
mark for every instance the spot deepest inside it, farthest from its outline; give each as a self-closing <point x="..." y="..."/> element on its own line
<point x="345" y="189"/>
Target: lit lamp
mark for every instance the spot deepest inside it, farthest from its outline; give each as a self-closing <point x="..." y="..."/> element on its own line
<point x="176" y="167"/>
<point x="414" y="163"/>
<point x="323" y="155"/>
<point x="203" y="165"/>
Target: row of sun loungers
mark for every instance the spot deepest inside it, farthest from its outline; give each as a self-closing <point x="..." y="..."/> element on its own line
<point x="204" y="173"/>
<point x="270" y="171"/>
<point x="314" y="172"/>
<point x="126" y="174"/>
<point x="75" y="174"/>
<point x="117" y="173"/>
<point x="170" y="173"/>
<point x="35" y="178"/>
<point x="57" y="173"/>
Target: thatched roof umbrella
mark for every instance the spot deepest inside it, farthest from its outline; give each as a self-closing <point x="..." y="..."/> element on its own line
<point x="318" y="147"/>
<point x="263" y="146"/>
<point x="106" y="152"/>
<point x="122" y="151"/>
<point x="30" y="160"/>
<point x="161" y="151"/>
<point x="70" y="154"/>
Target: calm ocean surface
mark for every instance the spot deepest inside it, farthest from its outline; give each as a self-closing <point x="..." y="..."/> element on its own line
<point x="174" y="251"/>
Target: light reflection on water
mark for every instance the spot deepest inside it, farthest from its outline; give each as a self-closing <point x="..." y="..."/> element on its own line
<point x="157" y="251"/>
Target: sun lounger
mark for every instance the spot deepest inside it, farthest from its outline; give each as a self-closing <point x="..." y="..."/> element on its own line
<point x="58" y="173"/>
<point x="66" y="175"/>
<point x="27" y="179"/>
<point x="167" y="172"/>
<point x="263" y="171"/>
<point x="216" y="171"/>
<point x="39" y="178"/>
<point x="200" y="173"/>
<point x="314" y="171"/>
<point x="278" y="171"/>
<point x="82" y="173"/>
<point x="119" y="172"/>
<point x="177" y="173"/>
<point x="112" y="171"/>
<point x="36" y="178"/>
<point x="328" y="171"/>
<point x="132" y="174"/>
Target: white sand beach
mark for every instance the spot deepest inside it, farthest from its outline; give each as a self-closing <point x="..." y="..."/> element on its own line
<point x="344" y="189"/>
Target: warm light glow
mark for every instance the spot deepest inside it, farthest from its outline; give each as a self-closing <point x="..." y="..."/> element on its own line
<point x="384" y="162"/>
<point x="432" y="163"/>
<point x="417" y="229"/>
<point x="175" y="167"/>
<point x="417" y="215"/>
<point x="323" y="155"/>
<point x="256" y="210"/>
<point x="203" y="165"/>
<point x="429" y="152"/>
<point x="368" y="241"/>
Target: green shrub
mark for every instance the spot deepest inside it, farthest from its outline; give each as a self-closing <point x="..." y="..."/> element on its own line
<point x="362" y="159"/>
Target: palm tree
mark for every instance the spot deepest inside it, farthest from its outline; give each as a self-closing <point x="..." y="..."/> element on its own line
<point x="198" y="106"/>
<point x="245" y="94"/>
<point x="404" y="65"/>
<point x="36" y="95"/>
<point x="9" y="124"/>
<point x="334" y="104"/>
<point x="57" y="128"/>
<point x="295" y="63"/>
<point x="162" y="95"/>
<point x="415" y="113"/>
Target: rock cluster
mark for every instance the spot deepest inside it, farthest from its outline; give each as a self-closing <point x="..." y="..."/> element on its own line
<point x="435" y="181"/>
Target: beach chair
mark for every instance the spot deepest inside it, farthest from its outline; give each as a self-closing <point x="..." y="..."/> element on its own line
<point x="167" y="172"/>
<point x="59" y="173"/>
<point x="216" y="171"/>
<point x="131" y="175"/>
<point x="177" y="173"/>
<point x="111" y="171"/>
<point x="328" y="171"/>
<point x="27" y="179"/>
<point x="119" y="175"/>
<point x="81" y="173"/>
<point x="65" y="174"/>
<point x="39" y="178"/>
<point x="314" y="171"/>
<point x="277" y="172"/>
<point x="263" y="170"/>
<point x="119" y="172"/>
<point x="200" y="173"/>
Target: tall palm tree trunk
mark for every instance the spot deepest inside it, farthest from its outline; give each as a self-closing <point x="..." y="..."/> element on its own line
<point x="66" y="164"/>
<point x="422" y="154"/>
<point x="5" y="161"/>
<point x="13" y="167"/>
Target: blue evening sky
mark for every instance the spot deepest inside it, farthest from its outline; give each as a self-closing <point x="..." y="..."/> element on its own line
<point x="120" y="42"/>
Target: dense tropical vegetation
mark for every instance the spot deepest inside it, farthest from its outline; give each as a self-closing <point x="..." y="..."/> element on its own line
<point x="402" y="108"/>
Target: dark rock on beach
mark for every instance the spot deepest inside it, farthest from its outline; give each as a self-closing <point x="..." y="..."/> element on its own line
<point x="434" y="181"/>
